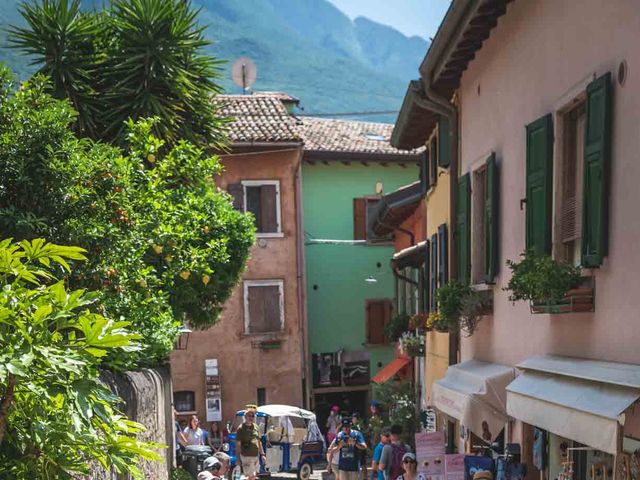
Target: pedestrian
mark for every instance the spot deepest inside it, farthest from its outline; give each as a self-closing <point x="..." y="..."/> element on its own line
<point x="348" y="444"/>
<point x="225" y="460"/>
<point x="358" y="425"/>
<point x="385" y="438"/>
<point x="193" y="434"/>
<point x="392" y="453"/>
<point x="248" y="444"/>
<point x="211" y="468"/>
<point x="333" y="423"/>
<point x="410" y="467"/>
<point x="215" y="437"/>
<point x="375" y="424"/>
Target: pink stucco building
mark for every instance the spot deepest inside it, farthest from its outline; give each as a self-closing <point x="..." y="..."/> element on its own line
<point x="545" y="91"/>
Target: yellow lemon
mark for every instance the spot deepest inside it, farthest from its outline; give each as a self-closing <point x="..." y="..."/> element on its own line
<point x="185" y="274"/>
<point x="152" y="158"/>
<point x="157" y="249"/>
<point x="205" y="279"/>
<point x="168" y="258"/>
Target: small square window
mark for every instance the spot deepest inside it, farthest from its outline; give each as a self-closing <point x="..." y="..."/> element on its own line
<point x="184" y="401"/>
<point x="263" y="303"/>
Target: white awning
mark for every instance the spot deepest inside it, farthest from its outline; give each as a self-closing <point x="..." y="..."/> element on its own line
<point x="578" y="399"/>
<point x="473" y="392"/>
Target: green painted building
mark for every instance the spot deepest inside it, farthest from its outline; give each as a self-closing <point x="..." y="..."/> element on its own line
<point x="349" y="283"/>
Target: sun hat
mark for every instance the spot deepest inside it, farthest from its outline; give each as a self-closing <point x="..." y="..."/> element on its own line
<point x="409" y="456"/>
<point x="335" y="408"/>
<point x="211" y="463"/>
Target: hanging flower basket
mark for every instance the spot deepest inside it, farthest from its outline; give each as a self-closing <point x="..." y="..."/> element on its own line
<point x="412" y="345"/>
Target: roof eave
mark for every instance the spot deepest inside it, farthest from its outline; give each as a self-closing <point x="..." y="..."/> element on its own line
<point x="394" y="208"/>
<point x="354" y="156"/>
<point x="415" y="123"/>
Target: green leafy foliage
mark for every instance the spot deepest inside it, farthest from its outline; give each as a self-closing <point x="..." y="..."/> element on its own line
<point x="460" y="308"/>
<point x="396" y="326"/>
<point x="165" y="245"/>
<point x="540" y="278"/>
<point x="136" y="59"/>
<point x="398" y="398"/>
<point x="180" y="474"/>
<point x="54" y="414"/>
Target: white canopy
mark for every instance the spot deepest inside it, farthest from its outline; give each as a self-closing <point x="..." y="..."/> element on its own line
<point x="473" y="392"/>
<point x="583" y="400"/>
<point x="286" y="411"/>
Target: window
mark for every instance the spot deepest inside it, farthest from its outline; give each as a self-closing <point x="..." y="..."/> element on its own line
<point x="378" y="315"/>
<point x="477" y="225"/>
<point x="362" y="211"/>
<point x="433" y="161"/>
<point x="262" y="199"/>
<point x="463" y="229"/>
<point x="569" y="214"/>
<point x="184" y="401"/>
<point x="263" y="306"/>
<point x="433" y="273"/>
<point x="262" y="396"/>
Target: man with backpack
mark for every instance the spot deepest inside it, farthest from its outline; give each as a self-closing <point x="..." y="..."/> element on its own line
<point x="391" y="459"/>
<point x="349" y="445"/>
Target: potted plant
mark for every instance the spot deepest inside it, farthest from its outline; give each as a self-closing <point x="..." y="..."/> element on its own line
<point x="412" y="345"/>
<point x="418" y="321"/>
<point x="460" y="307"/>
<point x="550" y="286"/>
<point x="435" y="322"/>
<point x="396" y="326"/>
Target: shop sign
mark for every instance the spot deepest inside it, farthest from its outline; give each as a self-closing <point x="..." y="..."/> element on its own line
<point x="213" y="395"/>
<point x="431" y="420"/>
<point x="355" y="368"/>
<point x="335" y="369"/>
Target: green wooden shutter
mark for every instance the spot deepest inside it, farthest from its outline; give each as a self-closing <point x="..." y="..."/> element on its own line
<point x="433" y="162"/>
<point x="597" y="152"/>
<point x="539" y="184"/>
<point x="491" y="203"/>
<point x="444" y="140"/>
<point x="426" y="306"/>
<point x="443" y="239"/>
<point x="463" y="229"/>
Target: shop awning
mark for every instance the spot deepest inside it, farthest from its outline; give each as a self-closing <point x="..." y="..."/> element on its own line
<point x="583" y="400"/>
<point x="473" y="392"/>
<point x="413" y="256"/>
<point x="390" y="369"/>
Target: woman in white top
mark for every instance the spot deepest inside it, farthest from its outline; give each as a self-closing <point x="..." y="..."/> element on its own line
<point x="193" y="433"/>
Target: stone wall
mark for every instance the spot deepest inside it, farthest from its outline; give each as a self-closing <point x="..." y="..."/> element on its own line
<point x="147" y="399"/>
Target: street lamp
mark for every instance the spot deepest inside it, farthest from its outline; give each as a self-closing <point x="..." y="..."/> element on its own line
<point x="183" y="339"/>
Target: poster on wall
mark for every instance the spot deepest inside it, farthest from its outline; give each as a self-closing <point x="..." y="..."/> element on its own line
<point x="355" y="368"/>
<point x="326" y="369"/>
<point x="213" y="396"/>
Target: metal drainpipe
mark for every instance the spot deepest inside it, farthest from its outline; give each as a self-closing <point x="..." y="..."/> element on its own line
<point x="302" y="285"/>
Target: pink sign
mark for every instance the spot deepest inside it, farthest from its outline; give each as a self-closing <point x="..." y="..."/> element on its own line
<point x="429" y="444"/>
<point x="454" y="467"/>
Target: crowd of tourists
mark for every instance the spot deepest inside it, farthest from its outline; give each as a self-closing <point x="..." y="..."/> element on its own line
<point x="391" y="459"/>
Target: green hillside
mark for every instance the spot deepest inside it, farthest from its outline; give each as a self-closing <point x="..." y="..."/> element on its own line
<point x="307" y="48"/>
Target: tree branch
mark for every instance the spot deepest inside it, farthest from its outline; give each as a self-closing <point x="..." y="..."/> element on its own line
<point x="6" y="403"/>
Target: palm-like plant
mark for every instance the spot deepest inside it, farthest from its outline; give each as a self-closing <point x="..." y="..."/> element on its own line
<point x="137" y="59"/>
<point x="156" y="69"/>
<point x="60" y="39"/>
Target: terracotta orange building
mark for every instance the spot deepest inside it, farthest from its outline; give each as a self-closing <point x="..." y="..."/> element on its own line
<point x="254" y="354"/>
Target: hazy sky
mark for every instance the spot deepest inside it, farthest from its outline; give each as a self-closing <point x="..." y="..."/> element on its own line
<point x="411" y="17"/>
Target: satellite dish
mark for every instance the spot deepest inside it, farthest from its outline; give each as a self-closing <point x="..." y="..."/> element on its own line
<point x="243" y="73"/>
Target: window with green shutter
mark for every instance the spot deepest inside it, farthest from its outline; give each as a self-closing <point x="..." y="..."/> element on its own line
<point x="433" y="272"/>
<point x="597" y="152"/>
<point x="491" y="202"/>
<point x="443" y="244"/>
<point x="539" y="184"/>
<point x="433" y="161"/>
<point x="463" y="229"/>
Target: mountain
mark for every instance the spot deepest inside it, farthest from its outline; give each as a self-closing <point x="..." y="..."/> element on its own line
<point x="307" y="48"/>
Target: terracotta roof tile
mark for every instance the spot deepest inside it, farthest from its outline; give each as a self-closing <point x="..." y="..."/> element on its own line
<point x="321" y="134"/>
<point x="258" y="118"/>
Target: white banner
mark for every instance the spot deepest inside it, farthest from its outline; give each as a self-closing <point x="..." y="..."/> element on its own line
<point x="213" y="396"/>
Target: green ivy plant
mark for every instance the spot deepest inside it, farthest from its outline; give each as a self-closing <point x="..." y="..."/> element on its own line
<point x="540" y="278"/>
<point x="55" y="416"/>
<point x="460" y="308"/>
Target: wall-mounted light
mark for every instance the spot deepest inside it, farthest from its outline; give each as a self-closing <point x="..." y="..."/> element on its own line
<point x="183" y="339"/>
<point x="370" y="279"/>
